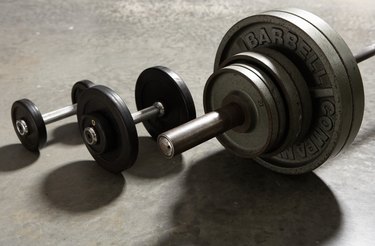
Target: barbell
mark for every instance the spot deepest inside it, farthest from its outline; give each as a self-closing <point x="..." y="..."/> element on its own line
<point x="286" y="91"/>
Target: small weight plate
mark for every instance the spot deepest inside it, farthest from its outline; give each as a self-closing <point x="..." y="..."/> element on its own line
<point x="322" y="66"/>
<point x="238" y="81"/>
<point x="279" y="102"/>
<point x="160" y="84"/>
<point x="78" y="88"/>
<point x="102" y="102"/>
<point x="27" y="111"/>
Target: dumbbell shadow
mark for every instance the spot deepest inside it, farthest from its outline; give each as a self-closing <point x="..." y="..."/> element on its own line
<point x="14" y="157"/>
<point x="151" y="164"/>
<point x="67" y="134"/>
<point x="84" y="186"/>
<point x="230" y="201"/>
<point x="81" y="186"/>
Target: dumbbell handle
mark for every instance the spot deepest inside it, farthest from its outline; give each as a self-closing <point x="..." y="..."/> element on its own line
<point x="90" y="135"/>
<point x="195" y="132"/>
<point x="59" y="114"/>
<point x="148" y="113"/>
<point x="48" y="118"/>
<point x="62" y="113"/>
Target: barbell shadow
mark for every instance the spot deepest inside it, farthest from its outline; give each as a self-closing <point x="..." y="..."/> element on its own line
<point x="15" y="156"/>
<point x="81" y="186"/>
<point x="232" y="201"/>
<point x="151" y="164"/>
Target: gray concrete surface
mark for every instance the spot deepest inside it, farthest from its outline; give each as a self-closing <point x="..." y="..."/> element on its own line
<point x="204" y="197"/>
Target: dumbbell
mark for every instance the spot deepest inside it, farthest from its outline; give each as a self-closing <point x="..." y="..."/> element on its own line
<point x="30" y="124"/>
<point x="108" y="128"/>
<point x="286" y="91"/>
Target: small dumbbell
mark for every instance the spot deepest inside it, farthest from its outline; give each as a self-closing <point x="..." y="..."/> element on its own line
<point x="108" y="128"/>
<point x="30" y="124"/>
<point x="286" y="92"/>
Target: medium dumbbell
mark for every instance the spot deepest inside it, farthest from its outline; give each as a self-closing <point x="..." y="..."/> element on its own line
<point x="30" y="124"/>
<point x="286" y="91"/>
<point x="108" y="128"/>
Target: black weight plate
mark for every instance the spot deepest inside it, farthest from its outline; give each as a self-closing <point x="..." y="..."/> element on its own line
<point x="349" y="61"/>
<point x="78" y="88"/>
<point x="250" y="86"/>
<point x="325" y="73"/>
<point x="123" y="150"/>
<point x="27" y="111"/>
<point x="280" y="104"/>
<point x="160" y="84"/>
<point x="300" y="84"/>
<point x="298" y="116"/>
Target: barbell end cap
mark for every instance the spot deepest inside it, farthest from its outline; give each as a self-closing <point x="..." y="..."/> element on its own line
<point x="166" y="146"/>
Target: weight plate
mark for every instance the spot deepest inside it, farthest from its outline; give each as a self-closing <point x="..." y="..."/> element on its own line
<point x="292" y="86"/>
<point x="78" y="88"/>
<point x="160" y="84"/>
<point x="27" y="111"/>
<point x="236" y="81"/>
<point x="101" y="102"/>
<point x="349" y="61"/>
<point x="279" y="102"/>
<point x="325" y="74"/>
<point x="299" y="83"/>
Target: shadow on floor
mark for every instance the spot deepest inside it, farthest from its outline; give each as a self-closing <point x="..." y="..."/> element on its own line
<point x="232" y="201"/>
<point x="67" y="134"/>
<point x="15" y="156"/>
<point x="82" y="186"/>
<point x="151" y="164"/>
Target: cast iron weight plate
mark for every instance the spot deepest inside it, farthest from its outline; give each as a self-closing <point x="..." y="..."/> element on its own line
<point x="160" y="84"/>
<point x="349" y="61"/>
<point x="251" y="89"/>
<point x="26" y="110"/>
<point x="291" y="85"/>
<point x="100" y="102"/>
<point x="332" y="77"/>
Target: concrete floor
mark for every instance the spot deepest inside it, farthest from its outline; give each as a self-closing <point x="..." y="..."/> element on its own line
<point x="203" y="197"/>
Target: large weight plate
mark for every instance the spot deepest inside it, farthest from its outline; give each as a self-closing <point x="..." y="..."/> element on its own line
<point x="323" y="68"/>
<point x="349" y="61"/>
<point x="160" y="84"/>
<point x="27" y="111"/>
<point x="101" y="102"/>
